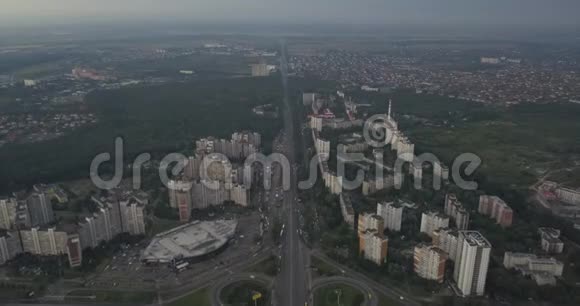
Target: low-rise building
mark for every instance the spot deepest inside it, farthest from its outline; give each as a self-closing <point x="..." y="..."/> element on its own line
<point x="543" y="270"/>
<point x="568" y="195"/>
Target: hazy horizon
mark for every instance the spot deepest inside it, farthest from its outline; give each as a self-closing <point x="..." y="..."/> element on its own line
<point x="490" y="12"/>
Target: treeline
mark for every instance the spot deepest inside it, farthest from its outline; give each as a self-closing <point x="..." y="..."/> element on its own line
<point x="154" y="119"/>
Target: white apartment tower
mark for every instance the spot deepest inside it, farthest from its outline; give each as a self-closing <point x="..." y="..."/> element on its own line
<point x="392" y="214"/>
<point x="432" y="221"/>
<point x="8" y="208"/>
<point x="370" y="222"/>
<point x="446" y="239"/>
<point x="471" y="265"/>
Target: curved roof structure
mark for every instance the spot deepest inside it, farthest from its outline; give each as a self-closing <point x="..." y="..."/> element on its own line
<point x="190" y="240"/>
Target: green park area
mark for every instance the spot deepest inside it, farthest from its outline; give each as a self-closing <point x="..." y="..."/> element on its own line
<point x="322" y="268"/>
<point x="341" y="295"/>
<point x="268" y="266"/>
<point x="516" y="144"/>
<point x="245" y="293"/>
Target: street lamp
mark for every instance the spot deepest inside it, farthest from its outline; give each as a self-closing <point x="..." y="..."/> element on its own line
<point x="338" y="294"/>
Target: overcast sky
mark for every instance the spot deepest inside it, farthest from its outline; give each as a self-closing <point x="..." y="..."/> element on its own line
<point x="543" y="12"/>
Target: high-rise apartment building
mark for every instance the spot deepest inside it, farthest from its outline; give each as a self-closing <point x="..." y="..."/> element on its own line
<point x="497" y="209"/>
<point x="120" y="212"/>
<point x="432" y="221"/>
<point x="52" y="242"/>
<point x="454" y="208"/>
<point x="472" y="262"/>
<point x="44" y="242"/>
<point x="180" y="197"/>
<point x="9" y="246"/>
<point x="446" y="240"/>
<point x="370" y="222"/>
<point x="8" y="207"/>
<point x="373" y="246"/>
<point x="133" y="217"/>
<point x="392" y="214"/>
<point x="429" y="262"/>
<point x="39" y="209"/>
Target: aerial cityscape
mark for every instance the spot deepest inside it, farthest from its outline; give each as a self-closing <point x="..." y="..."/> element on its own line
<point x="212" y="153"/>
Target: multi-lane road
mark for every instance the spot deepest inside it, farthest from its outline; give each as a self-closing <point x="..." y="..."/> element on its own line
<point x="292" y="284"/>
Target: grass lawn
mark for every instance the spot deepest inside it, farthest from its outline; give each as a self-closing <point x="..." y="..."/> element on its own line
<point x="197" y="298"/>
<point x="328" y="296"/>
<point x="110" y="296"/>
<point x="241" y="294"/>
<point x="268" y="266"/>
<point x="322" y="268"/>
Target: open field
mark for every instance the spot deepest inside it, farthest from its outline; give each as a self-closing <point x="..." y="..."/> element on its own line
<point x="323" y="269"/>
<point x="268" y="266"/>
<point x="241" y="294"/>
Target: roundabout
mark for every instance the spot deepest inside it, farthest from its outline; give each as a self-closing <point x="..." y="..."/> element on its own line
<point x="242" y="288"/>
<point x="347" y="291"/>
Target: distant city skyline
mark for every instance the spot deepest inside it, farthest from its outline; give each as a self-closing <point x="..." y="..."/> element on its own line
<point x="508" y="12"/>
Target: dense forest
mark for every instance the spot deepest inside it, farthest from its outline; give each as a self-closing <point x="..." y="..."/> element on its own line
<point x="155" y="119"/>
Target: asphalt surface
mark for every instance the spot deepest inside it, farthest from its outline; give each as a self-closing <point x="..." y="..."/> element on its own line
<point x="292" y="285"/>
<point x="398" y="296"/>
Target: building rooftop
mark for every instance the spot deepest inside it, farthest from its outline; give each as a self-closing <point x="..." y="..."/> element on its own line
<point x="190" y="240"/>
<point x="475" y="238"/>
<point x="437" y="214"/>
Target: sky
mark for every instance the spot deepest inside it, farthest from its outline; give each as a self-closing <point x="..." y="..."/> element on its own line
<point x="519" y="12"/>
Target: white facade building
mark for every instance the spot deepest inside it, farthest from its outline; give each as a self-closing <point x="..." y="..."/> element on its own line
<point x="392" y="214"/>
<point x="446" y="240"/>
<point x="432" y="221"/>
<point x="472" y="263"/>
